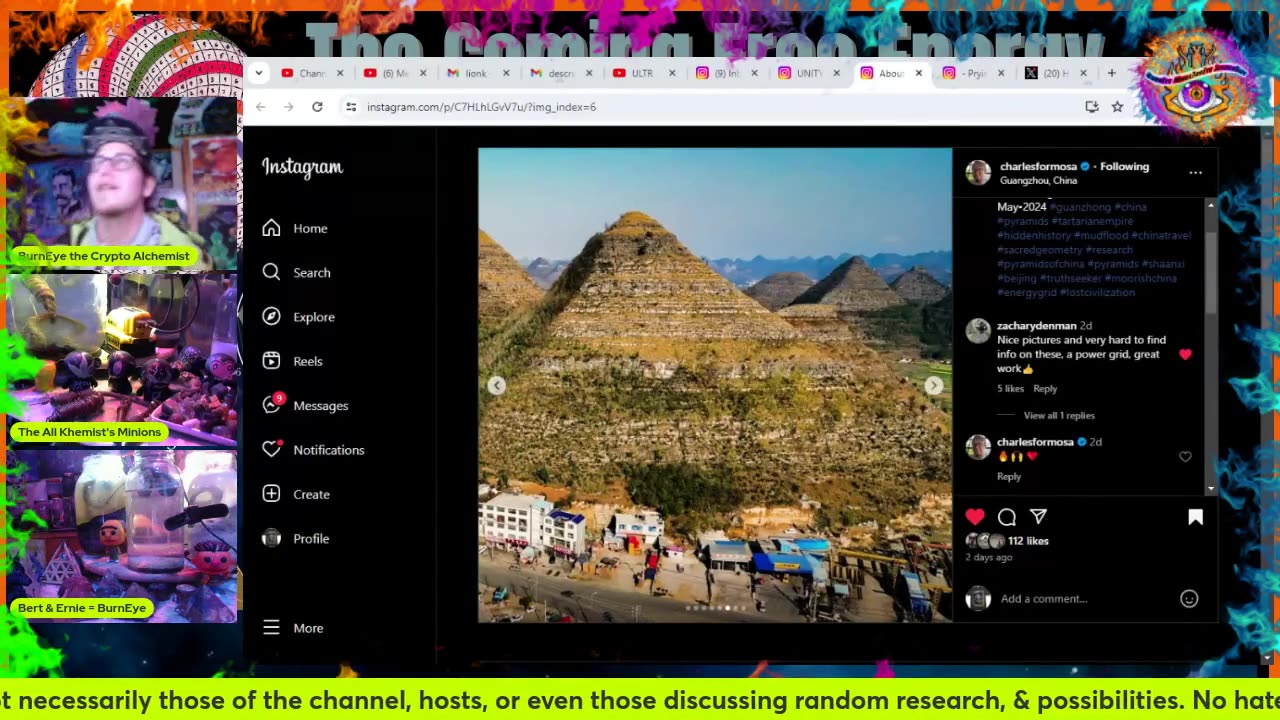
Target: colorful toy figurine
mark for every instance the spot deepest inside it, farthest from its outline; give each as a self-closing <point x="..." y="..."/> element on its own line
<point x="121" y="368"/>
<point x="213" y="559"/>
<point x="156" y="377"/>
<point x="80" y="366"/>
<point x="112" y="536"/>
<point x="192" y="359"/>
<point x="222" y="368"/>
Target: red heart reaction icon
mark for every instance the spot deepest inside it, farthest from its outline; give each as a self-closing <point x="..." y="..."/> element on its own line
<point x="975" y="515"/>
<point x="1185" y="353"/>
<point x="1033" y="455"/>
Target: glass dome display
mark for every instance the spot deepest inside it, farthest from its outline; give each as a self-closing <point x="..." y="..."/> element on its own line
<point x="58" y="313"/>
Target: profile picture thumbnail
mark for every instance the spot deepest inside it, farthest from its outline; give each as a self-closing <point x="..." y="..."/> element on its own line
<point x="977" y="331"/>
<point x="978" y="173"/>
<point x="978" y="598"/>
<point x="978" y="447"/>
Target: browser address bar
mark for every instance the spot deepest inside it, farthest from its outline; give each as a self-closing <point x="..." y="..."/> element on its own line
<point x="676" y="108"/>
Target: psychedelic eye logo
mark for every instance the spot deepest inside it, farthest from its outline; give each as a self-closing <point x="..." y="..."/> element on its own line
<point x="1197" y="81"/>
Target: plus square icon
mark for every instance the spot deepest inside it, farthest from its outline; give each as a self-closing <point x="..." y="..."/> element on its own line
<point x="271" y="493"/>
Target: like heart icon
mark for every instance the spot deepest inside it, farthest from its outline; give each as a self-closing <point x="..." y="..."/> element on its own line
<point x="1185" y="353"/>
<point x="1032" y="455"/>
<point x="975" y="515"/>
<point x="272" y="447"/>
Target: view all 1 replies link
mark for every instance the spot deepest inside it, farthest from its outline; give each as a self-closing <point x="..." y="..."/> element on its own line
<point x="1083" y="279"/>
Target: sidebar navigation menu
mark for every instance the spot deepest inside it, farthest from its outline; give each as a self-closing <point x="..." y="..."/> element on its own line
<point x="338" y="312"/>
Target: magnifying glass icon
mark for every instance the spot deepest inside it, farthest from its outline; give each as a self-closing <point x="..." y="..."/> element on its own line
<point x="270" y="271"/>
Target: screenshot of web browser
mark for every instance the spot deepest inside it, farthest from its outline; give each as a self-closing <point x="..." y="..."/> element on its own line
<point x="862" y="358"/>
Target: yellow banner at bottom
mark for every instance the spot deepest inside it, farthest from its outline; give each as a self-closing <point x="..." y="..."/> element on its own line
<point x="615" y="699"/>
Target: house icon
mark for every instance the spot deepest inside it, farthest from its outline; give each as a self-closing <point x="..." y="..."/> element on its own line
<point x="271" y="228"/>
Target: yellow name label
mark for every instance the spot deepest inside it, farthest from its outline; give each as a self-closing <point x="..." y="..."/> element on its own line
<point x="83" y="608"/>
<point x="136" y="432"/>
<point x="69" y="256"/>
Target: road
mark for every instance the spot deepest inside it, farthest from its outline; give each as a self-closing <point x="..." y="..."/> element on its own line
<point x="594" y="603"/>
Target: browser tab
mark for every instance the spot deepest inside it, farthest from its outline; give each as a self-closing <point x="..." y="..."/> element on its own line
<point x="892" y="75"/>
<point x="542" y="73"/>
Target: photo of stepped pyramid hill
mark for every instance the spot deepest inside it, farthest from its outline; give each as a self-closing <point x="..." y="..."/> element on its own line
<point x="505" y="288"/>
<point x="852" y="288"/>
<point x="779" y="289"/>
<point x="918" y="286"/>
<point x="641" y="356"/>
<point x="644" y="377"/>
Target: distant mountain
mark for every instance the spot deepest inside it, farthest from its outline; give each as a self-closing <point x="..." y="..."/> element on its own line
<point x="779" y="289"/>
<point x="890" y="265"/>
<point x="853" y="287"/>
<point x="745" y="273"/>
<point x="544" y="271"/>
<point x="918" y="286"/>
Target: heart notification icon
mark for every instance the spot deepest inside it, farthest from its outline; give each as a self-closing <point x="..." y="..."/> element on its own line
<point x="272" y="447"/>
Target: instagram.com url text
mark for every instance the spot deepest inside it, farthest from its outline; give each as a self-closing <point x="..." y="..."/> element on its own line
<point x="461" y="107"/>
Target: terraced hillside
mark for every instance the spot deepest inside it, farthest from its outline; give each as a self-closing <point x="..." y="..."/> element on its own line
<point x="505" y="288"/>
<point x="779" y="289"/>
<point x="642" y="357"/>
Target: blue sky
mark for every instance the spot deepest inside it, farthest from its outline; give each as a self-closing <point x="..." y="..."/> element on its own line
<point x="732" y="202"/>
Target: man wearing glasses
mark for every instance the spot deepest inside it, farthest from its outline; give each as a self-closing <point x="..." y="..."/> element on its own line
<point x="120" y="186"/>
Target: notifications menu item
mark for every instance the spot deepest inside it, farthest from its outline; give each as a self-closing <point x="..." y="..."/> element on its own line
<point x="1084" y="437"/>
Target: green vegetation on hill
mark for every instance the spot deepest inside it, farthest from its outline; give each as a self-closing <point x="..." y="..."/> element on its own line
<point x="926" y="327"/>
<point x="936" y="325"/>
<point x="506" y="350"/>
<point x="680" y="488"/>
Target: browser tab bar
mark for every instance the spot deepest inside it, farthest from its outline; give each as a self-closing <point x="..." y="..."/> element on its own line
<point x="1030" y="73"/>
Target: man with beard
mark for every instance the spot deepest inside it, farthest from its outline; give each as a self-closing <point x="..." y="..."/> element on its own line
<point x="66" y="195"/>
<point x="120" y="186"/>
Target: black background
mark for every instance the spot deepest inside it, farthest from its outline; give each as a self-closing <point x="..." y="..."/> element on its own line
<point x="1110" y="533"/>
<point x="393" y="625"/>
<point x="372" y="587"/>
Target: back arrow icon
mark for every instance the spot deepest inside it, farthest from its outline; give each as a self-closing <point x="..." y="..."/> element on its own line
<point x="259" y="106"/>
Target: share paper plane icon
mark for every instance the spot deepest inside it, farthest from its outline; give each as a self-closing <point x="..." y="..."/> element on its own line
<point x="1038" y="514"/>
